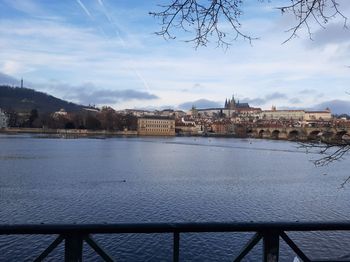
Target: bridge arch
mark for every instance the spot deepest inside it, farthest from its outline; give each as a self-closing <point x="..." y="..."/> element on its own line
<point x="261" y="133"/>
<point x="315" y="134"/>
<point x="327" y="134"/>
<point x="275" y="134"/>
<point x="250" y="132"/>
<point x="293" y="134"/>
<point x="339" y="135"/>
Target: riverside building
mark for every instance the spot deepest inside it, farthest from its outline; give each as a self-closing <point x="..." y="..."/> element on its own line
<point x="299" y="115"/>
<point x="3" y="119"/>
<point x="156" y="126"/>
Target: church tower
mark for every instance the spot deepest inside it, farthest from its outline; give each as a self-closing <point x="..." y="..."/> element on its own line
<point x="233" y="103"/>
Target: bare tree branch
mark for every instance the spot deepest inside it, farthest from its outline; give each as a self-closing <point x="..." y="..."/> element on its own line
<point x="206" y="18"/>
<point x="210" y="19"/>
<point x="320" y="11"/>
<point x="329" y="151"/>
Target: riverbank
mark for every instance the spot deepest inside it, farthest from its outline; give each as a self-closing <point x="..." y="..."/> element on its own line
<point x="85" y="133"/>
<point x="73" y="132"/>
<point x="76" y="133"/>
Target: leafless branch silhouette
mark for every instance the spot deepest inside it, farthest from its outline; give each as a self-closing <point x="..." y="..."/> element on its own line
<point x="220" y="19"/>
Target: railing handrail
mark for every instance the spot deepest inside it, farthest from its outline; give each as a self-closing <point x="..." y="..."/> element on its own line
<point x="74" y="235"/>
<point x="187" y="227"/>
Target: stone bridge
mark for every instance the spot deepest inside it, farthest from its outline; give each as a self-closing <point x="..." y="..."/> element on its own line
<point x="299" y="133"/>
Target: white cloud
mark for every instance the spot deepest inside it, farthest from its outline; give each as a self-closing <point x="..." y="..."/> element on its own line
<point x="11" y="67"/>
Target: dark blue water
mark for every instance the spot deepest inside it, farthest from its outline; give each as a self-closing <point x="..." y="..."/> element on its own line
<point x="45" y="180"/>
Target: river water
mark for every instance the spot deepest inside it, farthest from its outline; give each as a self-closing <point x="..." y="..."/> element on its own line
<point x="180" y="179"/>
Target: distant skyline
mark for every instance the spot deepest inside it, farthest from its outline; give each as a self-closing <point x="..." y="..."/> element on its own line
<point x="104" y="52"/>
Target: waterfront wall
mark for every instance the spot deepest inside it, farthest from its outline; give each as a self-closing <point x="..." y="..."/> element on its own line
<point x="291" y="133"/>
<point x="82" y="132"/>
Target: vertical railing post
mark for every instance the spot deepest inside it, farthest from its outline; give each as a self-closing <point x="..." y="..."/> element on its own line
<point x="176" y="248"/>
<point x="271" y="246"/>
<point x="73" y="251"/>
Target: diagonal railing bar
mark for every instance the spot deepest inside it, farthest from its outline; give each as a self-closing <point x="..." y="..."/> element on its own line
<point x="102" y="253"/>
<point x="49" y="249"/>
<point x="249" y="246"/>
<point x="294" y="247"/>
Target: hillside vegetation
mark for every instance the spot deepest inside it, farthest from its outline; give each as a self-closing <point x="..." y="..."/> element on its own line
<point x="25" y="99"/>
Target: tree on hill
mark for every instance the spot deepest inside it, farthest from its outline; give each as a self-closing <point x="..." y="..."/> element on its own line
<point x="33" y="116"/>
<point x="209" y="19"/>
<point x="24" y="100"/>
<point x="107" y="118"/>
<point x="12" y="117"/>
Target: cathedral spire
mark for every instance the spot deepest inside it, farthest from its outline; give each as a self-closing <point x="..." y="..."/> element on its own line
<point x="233" y="102"/>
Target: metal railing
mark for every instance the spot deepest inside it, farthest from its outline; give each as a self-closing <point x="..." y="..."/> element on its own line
<point x="270" y="233"/>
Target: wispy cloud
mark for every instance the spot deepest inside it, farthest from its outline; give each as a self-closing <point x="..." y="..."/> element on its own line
<point x="334" y="33"/>
<point x="25" y="6"/>
<point x="307" y="91"/>
<point x="11" y="67"/>
<point x="266" y="99"/>
<point x="275" y="95"/>
<point x="294" y="100"/>
<point x="105" y="97"/>
<point x="201" y="103"/>
<point x="8" y="80"/>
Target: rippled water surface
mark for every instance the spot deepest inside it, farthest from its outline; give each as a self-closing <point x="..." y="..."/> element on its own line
<point x="113" y="180"/>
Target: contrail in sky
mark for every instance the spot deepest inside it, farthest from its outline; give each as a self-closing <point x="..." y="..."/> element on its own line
<point x="85" y="9"/>
<point x="117" y="31"/>
<point x="142" y="79"/>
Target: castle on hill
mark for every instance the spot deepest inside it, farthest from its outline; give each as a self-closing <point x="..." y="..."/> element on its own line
<point x="231" y="108"/>
<point x="232" y="104"/>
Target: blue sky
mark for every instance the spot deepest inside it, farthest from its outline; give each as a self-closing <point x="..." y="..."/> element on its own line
<point x="105" y="52"/>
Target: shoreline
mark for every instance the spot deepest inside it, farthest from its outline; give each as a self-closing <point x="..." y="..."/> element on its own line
<point x="81" y="133"/>
<point x="73" y="132"/>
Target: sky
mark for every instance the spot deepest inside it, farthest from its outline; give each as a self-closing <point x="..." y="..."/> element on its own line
<point x="105" y="52"/>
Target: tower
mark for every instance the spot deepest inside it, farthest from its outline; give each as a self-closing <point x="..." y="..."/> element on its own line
<point x="233" y="102"/>
<point x="21" y="82"/>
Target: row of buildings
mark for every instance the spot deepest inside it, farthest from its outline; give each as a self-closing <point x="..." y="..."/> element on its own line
<point x="243" y="111"/>
<point x="222" y="120"/>
<point x="3" y="119"/>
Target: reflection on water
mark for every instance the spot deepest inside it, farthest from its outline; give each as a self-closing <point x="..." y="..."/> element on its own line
<point x="167" y="179"/>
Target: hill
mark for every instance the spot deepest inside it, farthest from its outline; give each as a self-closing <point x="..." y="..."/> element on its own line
<point x="25" y="99"/>
<point x="337" y="107"/>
